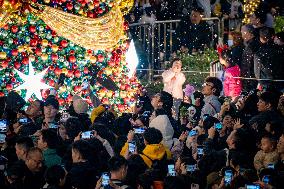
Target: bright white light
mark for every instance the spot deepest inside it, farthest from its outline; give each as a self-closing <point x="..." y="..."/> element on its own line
<point x="131" y="59"/>
<point x="32" y="83"/>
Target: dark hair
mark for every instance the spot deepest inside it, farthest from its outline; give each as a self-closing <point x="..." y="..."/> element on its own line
<point x="116" y="162"/>
<point x="145" y="180"/>
<point x="160" y="112"/>
<point x="25" y="143"/>
<point x="32" y="151"/>
<point x="237" y="38"/>
<point x="242" y="139"/>
<point x="238" y="159"/>
<point x="209" y="122"/>
<point x="198" y="9"/>
<point x="51" y="100"/>
<point x="73" y="127"/>
<point x="227" y="55"/>
<point x="280" y="35"/>
<point x="175" y="60"/>
<point x="271" y="98"/>
<point x="217" y="84"/>
<point x="167" y="100"/>
<point x="41" y="105"/>
<point x="50" y="137"/>
<point x="83" y="147"/>
<point x="261" y="15"/>
<point x="54" y="174"/>
<point x="153" y="136"/>
<point x="250" y="28"/>
<point x="271" y="139"/>
<point x="174" y="183"/>
<point x="266" y="33"/>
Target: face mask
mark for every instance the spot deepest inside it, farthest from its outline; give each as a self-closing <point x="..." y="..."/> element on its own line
<point x="230" y="42"/>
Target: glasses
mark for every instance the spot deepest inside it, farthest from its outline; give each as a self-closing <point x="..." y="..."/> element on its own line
<point x="207" y="84"/>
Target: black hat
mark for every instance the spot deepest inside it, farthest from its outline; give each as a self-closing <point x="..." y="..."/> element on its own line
<point x="14" y="101"/>
<point x="51" y="100"/>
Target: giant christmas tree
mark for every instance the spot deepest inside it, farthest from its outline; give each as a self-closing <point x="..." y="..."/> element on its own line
<point x="85" y="39"/>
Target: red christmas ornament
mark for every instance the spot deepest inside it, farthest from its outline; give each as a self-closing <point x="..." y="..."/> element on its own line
<point x="101" y="58"/>
<point x="57" y="71"/>
<point x="77" y="73"/>
<point x="90" y="14"/>
<point x="9" y="87"/>
<point x="86" y="70"/>
<point x="74" y="67"/>
<point x="61" y="101"/>
<point x="69" y="6"/>
<point x="4" y="64"/>
<point x="13" y="80"/>
<point x="6" y="27"/>
<point x="72" y="59"/>
<point x="38" y="51"/>
<point x="64" y="43"/>
<point x="69" y="73"/>
<point x="72" y="52"/>
<point x="14" y="29"/>
<point x="122" y="87"/>
<point x="1" y="94"/>
<point x="125" y="25"/>
<point x="100" y="10"/>
<point x="77" y="88"/>
<point x="33" y="42"/>
<point x="14" y="52"/>
<point x="32" y="29"/>
<point x="54" y="57"/>
<point x="51" y="83"/>
<point x="25" y="60"/>
<point x="51" y="68"/>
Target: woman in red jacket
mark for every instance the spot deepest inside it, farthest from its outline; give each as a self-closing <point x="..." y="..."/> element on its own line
<point x="232" y="85"/>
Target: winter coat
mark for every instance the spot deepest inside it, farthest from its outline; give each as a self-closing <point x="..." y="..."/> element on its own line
<point x="163" y="124"/>
<point x="174" y="87"/>
<point x="232" y="86"/>
<point x="212" y="106"/>
<point x="51" y="158"/>
<point x="262" y="159"/>
<point x="247" y="66"/>
<point x="82" y="175"/>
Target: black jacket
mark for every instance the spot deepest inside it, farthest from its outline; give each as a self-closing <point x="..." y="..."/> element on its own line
<point x="82" y="176"/>
<point x="34" y="180"/>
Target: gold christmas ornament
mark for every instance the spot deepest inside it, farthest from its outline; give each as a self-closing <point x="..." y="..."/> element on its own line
<point x="125" y="5"/>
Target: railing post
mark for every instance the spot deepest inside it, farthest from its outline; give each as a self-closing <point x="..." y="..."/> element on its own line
<point x="151" y="63"/>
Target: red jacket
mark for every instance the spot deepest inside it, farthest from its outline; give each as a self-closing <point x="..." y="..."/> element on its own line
<point x="232" y="86"/>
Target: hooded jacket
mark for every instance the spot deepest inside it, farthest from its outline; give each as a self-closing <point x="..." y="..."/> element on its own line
<point x="163" y="124"/>
<point x="151" y="153"/>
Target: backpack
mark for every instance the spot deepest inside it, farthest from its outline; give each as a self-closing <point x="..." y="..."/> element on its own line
<point x="161" y="165"/>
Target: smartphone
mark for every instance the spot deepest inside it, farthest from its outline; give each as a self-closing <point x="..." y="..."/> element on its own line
<point x="87" y="135"/>
<point x="23" y="120"/>
<point x="191" y="168"/>
<point x="193" y="132"/>
<point x="139" y="130"/>
<point x="252" y="186"/>
<point x="2" y="138"/>
<point x="171" y="170"/>
<point x="228" y="177"/>
<point x="3" y="125"/>
<point x="53" y="126"/>
<point x="131" y="147"/>
<point x="61" y="79"/>
<point x="270" y="166"/>
<point x="200" y="151"/>
<point x="266" y="179"/>
<point x="105" y="179"/>
<point x="218" y="126"/>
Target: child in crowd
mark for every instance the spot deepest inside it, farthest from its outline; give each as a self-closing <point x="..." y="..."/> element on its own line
<point x="267" y="155"/>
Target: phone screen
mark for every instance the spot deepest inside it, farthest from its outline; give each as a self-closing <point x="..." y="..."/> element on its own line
<point x="105" y="179"/>
<point x="270" y="166"/>
<point x="3" y="125"/>
<point x="266" y="179"/>
<point x="53" y="126"/>
<point x="87" y="135"/>
<point x="228" y="176"/>
<point x="200" y="151"/>
<point x="192" y="133"/>
<point x="253" y="186"/>
<point x="2" y="138"/>
<point x="171" y="170"/>
<point x="131" y="147"/>
<point x="23" y="120"/>
<point x="218" y="126"/>
<point x="191" y="168"/>
<point x="139" y="130"/>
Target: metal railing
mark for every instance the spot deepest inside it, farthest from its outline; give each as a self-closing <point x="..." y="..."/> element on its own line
<point x="158" y="36"/>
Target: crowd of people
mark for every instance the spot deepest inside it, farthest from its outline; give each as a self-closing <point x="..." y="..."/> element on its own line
<point x="216" y="142"/>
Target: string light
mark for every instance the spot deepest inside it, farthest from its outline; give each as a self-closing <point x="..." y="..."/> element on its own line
<point x="249" y="7"/>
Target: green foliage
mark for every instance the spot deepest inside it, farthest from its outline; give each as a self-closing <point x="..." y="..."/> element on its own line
<point x="279" y="24"/>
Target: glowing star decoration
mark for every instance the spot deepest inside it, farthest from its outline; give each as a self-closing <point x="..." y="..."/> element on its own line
<point x="131" y="59"/>
<point x="32" y="82"/>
